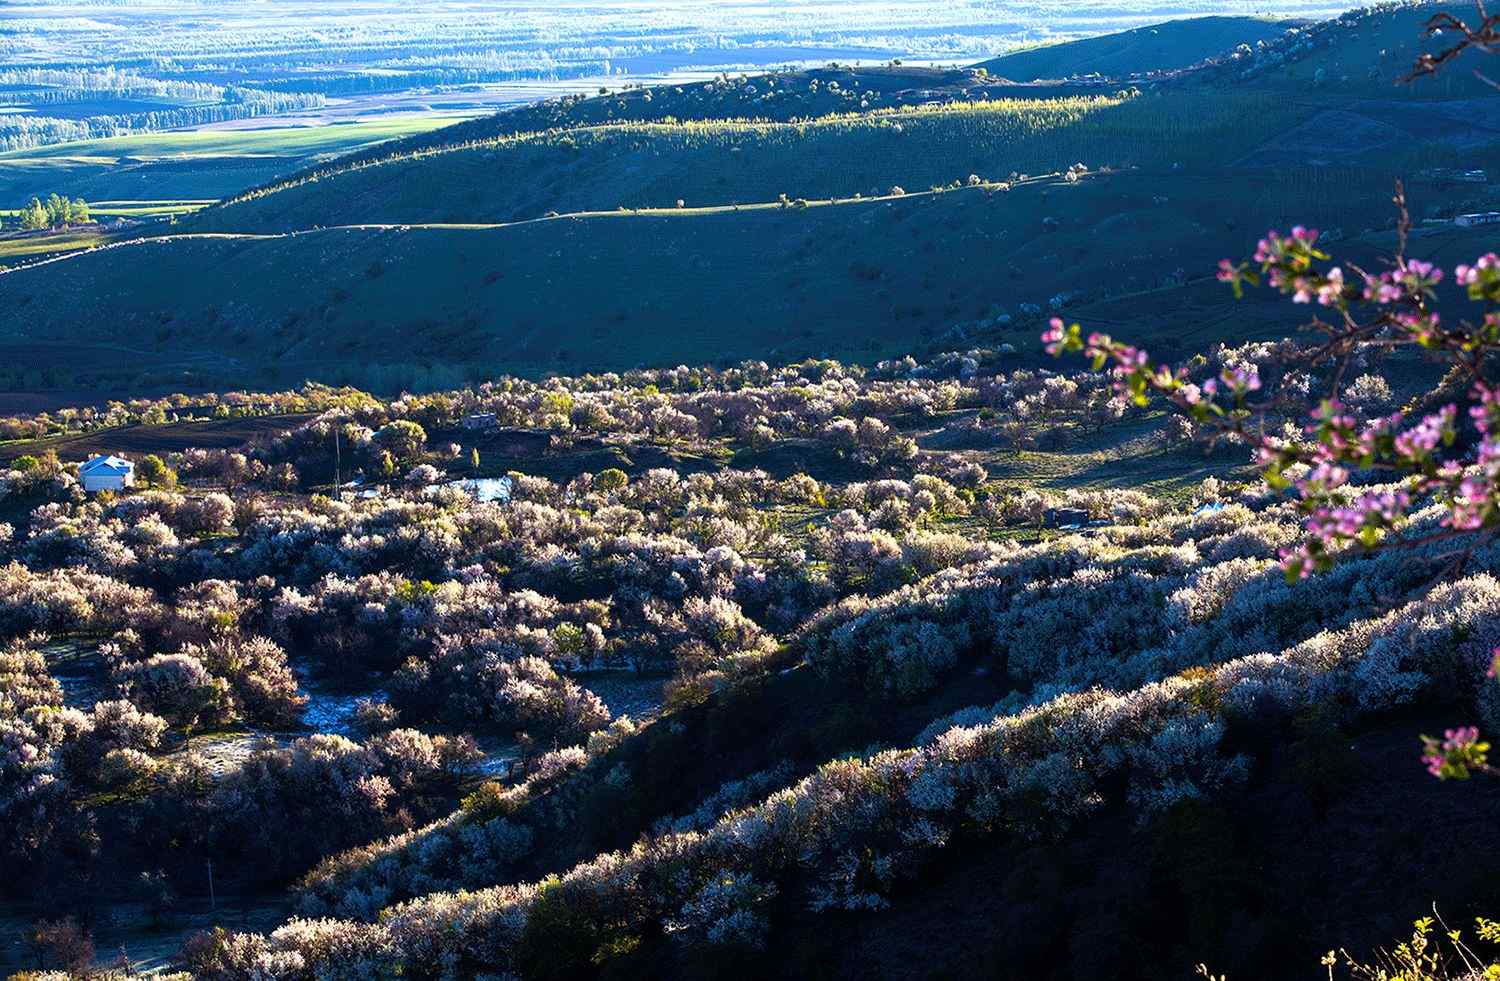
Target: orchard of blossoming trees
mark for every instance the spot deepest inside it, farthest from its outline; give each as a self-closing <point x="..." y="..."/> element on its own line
<point x="1018" y="686"/>
<point x="1135" y="666"/>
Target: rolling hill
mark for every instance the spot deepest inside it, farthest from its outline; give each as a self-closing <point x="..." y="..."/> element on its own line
<point x="1161" y="47"/>
<point x="1367" y="52"/>
<point x="583" y="244"/>
<point x="773" y="97"/>
<point x="720" y="142"/>
<point x="727" y="162"/>
<point x="417" y="306"/>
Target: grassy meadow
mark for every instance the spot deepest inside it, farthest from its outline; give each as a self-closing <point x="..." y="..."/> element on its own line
<point x="163" y="176"/>
<point x="15" y="250"/>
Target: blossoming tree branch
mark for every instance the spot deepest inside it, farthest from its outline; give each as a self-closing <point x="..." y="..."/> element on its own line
<point x="1418" y="463"/>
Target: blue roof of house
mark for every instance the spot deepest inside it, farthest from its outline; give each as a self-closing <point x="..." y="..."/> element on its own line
<point x="108" y="464"/>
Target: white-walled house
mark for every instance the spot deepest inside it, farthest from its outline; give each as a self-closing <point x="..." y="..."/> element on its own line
<point x="106" y="473"/>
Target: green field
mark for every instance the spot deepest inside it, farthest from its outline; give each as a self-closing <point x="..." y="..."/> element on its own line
<point x="145" y="209"/>
<point x="18" y="249"/>
<point x="195" y="165"/>
<point x="133" y="209"/>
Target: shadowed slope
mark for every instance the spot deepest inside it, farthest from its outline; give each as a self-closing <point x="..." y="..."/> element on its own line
<point x="414" y="305"/>
<point x="1161" y="47"/>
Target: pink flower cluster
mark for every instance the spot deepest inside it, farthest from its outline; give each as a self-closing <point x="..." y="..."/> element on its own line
<point x="1375" y="510"/>
<point x="1460" y="751"/>
<point x="1331" y="291"/>
<point x="1475" y="502"/>
<point x="1240" y="379"/>
<point x="1457" y="754"/>
<point x="1296" y="248"/>
<point x="1418" y="442"/>
<point x="1055" y="337"/>
<point x="1411" y="279"/>
<point x="1340" y="445"/>
<point x="1484" y="271"/>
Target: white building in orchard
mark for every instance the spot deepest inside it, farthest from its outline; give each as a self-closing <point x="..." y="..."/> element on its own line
<point x="1482" y="218"/>
<point x="110" y="473"/>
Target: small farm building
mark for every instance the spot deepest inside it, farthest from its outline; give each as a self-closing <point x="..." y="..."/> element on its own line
<point x="106" y="473"/>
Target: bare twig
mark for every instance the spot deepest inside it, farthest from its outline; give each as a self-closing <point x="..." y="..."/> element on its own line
<point x="1484" y="37"/>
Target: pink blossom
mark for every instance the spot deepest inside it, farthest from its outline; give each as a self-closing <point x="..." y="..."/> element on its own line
<point x="1053" y="336"/>
<point x="1241" y="378"/>
<point x="1382" y="289"/>
<point x="1422" y="439"/>
<point x="1332" y="290"/>
<point x="1458" y="750"/>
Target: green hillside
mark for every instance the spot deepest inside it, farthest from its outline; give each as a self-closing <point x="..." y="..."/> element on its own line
<point x="452" y="255"/>
<point x="413" y="305"/>
<point x="1161" y="47"/>
<point x="774" y="96"/>
<point x="714" y="163"/>
<point x="718" y="163"/>
<point x="820" y="108"/>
